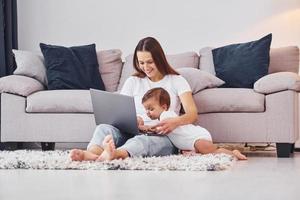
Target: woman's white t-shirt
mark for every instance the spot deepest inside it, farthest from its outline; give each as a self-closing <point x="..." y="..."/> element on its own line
<point x="137" y="87"/>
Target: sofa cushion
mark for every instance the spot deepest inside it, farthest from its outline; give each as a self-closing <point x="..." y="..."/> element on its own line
<point x="277" y="82"/>
<point x="188" y="59"/>
<point x="206" y="62"/>
<point x="284" y="59"/>
<point x="60" y="101"/>
<point x="199" y="79"/>
<point x="110" y="67"/>
<point x="30" y="64"/>
<point x="72" y="67"/>
<point x="229" y="100"/>
<point x="20" y="85"/>
<point x="240" y="65"/>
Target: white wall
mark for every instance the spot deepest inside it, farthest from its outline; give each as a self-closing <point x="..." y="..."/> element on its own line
<point x="178" y="25"/>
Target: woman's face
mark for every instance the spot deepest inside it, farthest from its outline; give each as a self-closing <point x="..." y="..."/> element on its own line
<point x="147" y="65"/>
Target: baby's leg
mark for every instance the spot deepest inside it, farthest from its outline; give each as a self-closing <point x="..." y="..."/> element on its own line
<point x="205" y="147"/>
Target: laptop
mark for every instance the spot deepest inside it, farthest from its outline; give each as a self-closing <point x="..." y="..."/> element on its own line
<point x="115" y="109"/>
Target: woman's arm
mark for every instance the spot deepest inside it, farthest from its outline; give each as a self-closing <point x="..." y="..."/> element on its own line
<point x="190" y="116"/>
<point x="190" y="109"/>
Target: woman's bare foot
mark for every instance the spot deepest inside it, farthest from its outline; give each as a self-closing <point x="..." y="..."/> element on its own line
<point x="109" y="149"/>
<point x="239" y="155"/>
<point x="80" y="155"/>
<point x="76" y="155"/>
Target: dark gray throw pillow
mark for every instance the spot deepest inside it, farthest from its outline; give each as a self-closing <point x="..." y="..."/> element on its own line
<point x="72" y="67"/>
<point x="240" y="65"/>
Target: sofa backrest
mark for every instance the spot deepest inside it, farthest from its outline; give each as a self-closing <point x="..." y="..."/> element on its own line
<point x="188" y="59"/>
<point x="284" y="59"/>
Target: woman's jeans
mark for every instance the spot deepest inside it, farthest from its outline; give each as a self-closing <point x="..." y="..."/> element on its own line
<point x="139" y="145"/>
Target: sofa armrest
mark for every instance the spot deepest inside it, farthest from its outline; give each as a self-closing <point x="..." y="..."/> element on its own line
<point x="20" y="85"/>
<point x="277" y="82"/>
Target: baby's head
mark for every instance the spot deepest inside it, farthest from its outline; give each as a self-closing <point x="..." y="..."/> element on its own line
<point x="155" y="102"/>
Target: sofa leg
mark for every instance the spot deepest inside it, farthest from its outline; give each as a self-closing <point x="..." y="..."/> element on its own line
<point x="293" y="148"/>
<point x="48" y="146"/>
<point x="20" y="145"/>
<point x="283" y="150"/>
<point x="2" y="147"/>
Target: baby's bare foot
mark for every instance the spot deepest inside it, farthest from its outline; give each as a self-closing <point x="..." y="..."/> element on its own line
<point x="188" y="153"/>
<point x="77" y="155"/>
<point x="109" y="149"/>
<point x="239" y="155"/>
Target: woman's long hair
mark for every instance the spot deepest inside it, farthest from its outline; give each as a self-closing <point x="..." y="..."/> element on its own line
<point x="151" y="45"/>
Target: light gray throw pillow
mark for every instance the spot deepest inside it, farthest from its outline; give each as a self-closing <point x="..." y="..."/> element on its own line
<point x="110" y="67"/>
<point x="20" y="85"/>
<point x="199" y="79"/>
<point x="206" y="62"/>
<point x="30" y="64"/>
<point x="277" y="82"/>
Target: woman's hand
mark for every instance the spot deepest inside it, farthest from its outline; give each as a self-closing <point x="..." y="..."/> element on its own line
<point x="166" y="126"/>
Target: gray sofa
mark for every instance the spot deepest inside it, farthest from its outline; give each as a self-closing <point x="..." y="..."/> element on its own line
<point x="267" y="113"/>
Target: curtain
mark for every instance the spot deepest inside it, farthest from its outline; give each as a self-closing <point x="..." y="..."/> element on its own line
<point x="8" y="41"/>
<point x="8" y="36"/>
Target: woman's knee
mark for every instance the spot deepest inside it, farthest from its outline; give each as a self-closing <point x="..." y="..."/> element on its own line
<point x="105" y="129"/>
<point x="142" y="140"/>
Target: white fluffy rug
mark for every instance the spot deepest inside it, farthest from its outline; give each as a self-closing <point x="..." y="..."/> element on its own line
<point x="59" y="160"/>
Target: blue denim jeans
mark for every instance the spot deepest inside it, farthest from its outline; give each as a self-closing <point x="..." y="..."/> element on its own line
<point x="139" y="145"/>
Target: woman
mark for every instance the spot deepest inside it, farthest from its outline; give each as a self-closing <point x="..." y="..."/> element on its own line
<point x="152" y="70"/>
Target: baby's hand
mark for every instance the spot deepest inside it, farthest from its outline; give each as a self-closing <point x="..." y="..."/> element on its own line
<point x="146" y="129"/>
<point x="143" y="128"/>
<point x="140" y="121"/>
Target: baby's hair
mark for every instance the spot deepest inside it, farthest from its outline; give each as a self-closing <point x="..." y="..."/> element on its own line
<point x="160" y="94"/>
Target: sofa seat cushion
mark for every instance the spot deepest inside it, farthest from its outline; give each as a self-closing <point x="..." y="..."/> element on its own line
<point x="229" y="100"/>
<point x="60" y="101"/>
